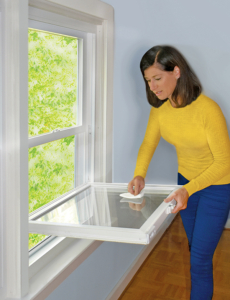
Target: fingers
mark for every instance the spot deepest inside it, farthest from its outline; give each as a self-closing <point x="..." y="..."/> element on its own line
<point x="178" y="208"/>
<point x="136" y="188"/>
<point x="136" y="185"/>
<point x="180" y="197"/>
<point x="180" y="205"/>
<point x="170" y="198"/>
<point x="130" y="187"/>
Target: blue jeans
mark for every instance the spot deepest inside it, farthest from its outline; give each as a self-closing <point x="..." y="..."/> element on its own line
<point x="204" y="220"/>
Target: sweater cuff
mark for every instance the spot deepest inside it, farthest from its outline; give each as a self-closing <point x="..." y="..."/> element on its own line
<point x="139" y="173"/>
<point x="190" y="187"/>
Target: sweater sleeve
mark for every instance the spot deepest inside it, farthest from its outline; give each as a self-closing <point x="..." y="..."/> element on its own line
<point x="149" y="144"/>
<point x="219" y="144"/>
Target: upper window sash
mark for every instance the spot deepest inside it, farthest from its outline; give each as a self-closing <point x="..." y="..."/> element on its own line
<point x="82" y="119"/>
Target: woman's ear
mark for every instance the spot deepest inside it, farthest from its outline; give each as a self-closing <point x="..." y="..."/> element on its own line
<point x="177" y="72"/>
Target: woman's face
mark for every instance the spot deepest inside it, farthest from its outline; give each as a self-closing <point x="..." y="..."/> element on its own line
<point x="162" y="83"/>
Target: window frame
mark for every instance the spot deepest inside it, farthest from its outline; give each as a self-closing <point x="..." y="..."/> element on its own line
<point x="19" y="280"/>
<point x="85" y="122"/>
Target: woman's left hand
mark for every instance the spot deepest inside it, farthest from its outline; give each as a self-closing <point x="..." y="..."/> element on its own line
<point x="181" y="196"/>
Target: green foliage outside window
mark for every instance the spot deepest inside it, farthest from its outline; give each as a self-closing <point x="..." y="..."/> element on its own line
<point x="52" y="82"/>
<point x="52" y="105"/>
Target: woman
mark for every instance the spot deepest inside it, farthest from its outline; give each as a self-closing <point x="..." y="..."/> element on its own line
<point x="196" y="126"/>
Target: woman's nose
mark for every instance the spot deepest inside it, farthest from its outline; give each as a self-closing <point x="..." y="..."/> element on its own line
<point x="152" y="85"/>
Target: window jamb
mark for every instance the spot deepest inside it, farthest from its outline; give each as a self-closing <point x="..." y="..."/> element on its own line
<point x="14" y="152"/>
<point x="1" y="175"/>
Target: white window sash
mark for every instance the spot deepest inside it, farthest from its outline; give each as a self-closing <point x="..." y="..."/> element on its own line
<point x="83" y="131"/>
<point x="101" y="228"/>
<point x="55" y="135"/>
<point x="82" y="115"/>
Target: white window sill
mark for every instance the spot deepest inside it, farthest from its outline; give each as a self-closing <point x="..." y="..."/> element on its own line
<point x="51" y="269"/>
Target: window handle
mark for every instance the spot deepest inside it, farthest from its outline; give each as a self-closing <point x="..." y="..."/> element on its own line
<point x="56" y="130"/>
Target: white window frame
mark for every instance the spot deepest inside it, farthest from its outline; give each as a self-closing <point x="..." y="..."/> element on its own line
<point x="37" y="20"/>
<point x="18" y="279"/>
<point x="81" y="127"/>
<point x="84" y="91"/>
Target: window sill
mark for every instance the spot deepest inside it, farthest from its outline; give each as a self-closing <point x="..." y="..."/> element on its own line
<point x="51" y="269"/>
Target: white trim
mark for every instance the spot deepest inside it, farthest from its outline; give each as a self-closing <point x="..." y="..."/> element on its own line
<point x="54" y="135"/>
<point x="227" y="225"/>
<point x="148" y="187"/>
<point x="132" y="270"/>
<point x="91" y="95"/>
<point x="80" y="80"/>
<point x="40" y="15"/>
<point x="1" y="161"/>
<point x="133" y="236"/>
<point x="58" y="27"/>
<point x="76" y="12"/>
<point x="15" y="130"/>
<point x="95" y="8"/>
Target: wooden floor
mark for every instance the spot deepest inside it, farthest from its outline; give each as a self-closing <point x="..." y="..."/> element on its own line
<point x="165" y="273"/>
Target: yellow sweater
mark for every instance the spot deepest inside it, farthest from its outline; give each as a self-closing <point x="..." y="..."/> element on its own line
<point x="200" y="135"/>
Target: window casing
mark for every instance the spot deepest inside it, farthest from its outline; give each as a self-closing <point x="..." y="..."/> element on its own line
<point x="94" y="17"/>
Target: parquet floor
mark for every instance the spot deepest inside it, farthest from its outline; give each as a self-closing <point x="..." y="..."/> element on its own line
<point x="165" y="273"/>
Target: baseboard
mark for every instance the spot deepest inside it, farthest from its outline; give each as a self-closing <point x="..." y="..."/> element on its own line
<point x="132" y="270"/>
<point x="227" y="225"/>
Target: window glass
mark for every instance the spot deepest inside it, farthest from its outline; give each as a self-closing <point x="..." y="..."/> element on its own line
<point x="52" y="81"/>
<point x="51" y="174"/>
<point x="103" y="206"/>
<point x="35" y="238"/>
<point x="51" y="171"/>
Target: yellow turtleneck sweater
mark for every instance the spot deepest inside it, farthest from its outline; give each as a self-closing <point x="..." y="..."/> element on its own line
<point x="200" y="135"/>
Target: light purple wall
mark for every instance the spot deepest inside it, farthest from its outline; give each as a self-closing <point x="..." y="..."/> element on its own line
<point x="200" y="30"/>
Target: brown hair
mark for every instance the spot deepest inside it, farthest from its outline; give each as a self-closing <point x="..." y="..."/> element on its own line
<point x="188" y="85"/>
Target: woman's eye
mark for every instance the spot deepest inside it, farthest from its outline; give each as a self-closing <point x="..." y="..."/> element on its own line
<point x="157" y="78"/>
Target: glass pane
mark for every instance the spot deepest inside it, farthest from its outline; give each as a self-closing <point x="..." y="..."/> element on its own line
<point x="52" y="82"/>
<point x="104" y="207"/>
<point x="35" y="238"/>
<point x="51" y="174"/>
<point x="51" y="171"/>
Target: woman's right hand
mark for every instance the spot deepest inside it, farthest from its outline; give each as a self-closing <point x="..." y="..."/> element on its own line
<point x="138" y="183"/>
